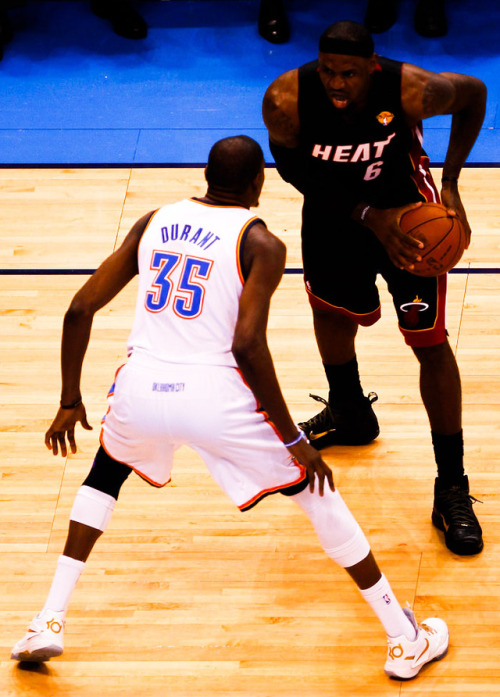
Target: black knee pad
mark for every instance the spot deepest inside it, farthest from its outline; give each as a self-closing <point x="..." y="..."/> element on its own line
<point x="107" y="475"/>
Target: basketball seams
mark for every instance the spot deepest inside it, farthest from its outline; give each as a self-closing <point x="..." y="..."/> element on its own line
<point x="429" y="220"/>
<point x="447" y="240"/>
<point x="440" y="242"/>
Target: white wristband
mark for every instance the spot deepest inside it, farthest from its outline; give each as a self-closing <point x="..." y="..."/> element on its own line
<point x="301" y="436"/>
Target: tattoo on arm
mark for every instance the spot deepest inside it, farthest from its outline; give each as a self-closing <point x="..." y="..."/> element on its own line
<point x="435" y="98"/>
<point x="449" y="93"/>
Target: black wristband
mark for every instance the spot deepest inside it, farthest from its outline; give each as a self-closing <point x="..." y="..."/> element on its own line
<point x="71" y="406"/>
<point x="449" y="179"/>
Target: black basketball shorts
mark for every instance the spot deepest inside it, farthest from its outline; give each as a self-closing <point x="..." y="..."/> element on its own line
<point x="340" y="271"/>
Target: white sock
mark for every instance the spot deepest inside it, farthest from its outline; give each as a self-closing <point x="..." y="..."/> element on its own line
<point x="68" y="571"/>
<point x="384" y="603"/>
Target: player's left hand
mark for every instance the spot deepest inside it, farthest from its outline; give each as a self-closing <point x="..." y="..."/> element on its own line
<point x="451" y="199"/>
<point x="314" y="464"/>
<point x="63" y="427"/>
<point x="402" y="249"/>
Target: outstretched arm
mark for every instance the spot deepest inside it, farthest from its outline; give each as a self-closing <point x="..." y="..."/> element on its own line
<point x="264" y="260"/>
<point x="107" y="281"/>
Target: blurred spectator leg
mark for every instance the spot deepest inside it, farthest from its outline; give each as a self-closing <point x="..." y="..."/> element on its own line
<point x="6" y="32"/>
<point x="126" y="21"/>
<point x="380" y="15"/>
<point x="430" y="18"/>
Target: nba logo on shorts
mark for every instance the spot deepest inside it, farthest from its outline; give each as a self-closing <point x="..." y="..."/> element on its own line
<point x="386" y="599"/>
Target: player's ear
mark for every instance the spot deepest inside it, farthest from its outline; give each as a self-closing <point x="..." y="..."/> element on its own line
<point x="372" y="63"/>
<point x="258" y="182"/>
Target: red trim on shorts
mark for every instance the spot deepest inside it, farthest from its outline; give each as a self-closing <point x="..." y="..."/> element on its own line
<point x="275" y="490"/>
<point x="140" y="474"/>
<point x="101" y="440"/>
<point x="281" y="487"/>
<point x="434" y="335"/>
<point x="258" y="407"/>
<point x="365" y="320"/>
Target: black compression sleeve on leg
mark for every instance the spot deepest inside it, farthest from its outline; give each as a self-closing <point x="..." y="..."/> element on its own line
<point x="107" y="475"/>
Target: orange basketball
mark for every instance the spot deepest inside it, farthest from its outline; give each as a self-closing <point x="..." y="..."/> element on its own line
<point x="443" y="236"/>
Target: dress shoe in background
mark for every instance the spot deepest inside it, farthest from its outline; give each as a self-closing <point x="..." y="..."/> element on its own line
<point x="273" y="22"/>
<point x="380" y="15"/>
<point x="430" y="18"/>
<point x="6" y="31"/>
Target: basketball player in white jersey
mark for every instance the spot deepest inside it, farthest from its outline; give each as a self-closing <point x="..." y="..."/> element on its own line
<point x="199" y="373"/>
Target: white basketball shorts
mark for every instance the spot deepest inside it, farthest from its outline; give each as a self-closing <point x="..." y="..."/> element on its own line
<point x="156" y="407"/>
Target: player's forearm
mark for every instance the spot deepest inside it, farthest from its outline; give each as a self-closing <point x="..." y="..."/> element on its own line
<point x="75" y="338"/>
<point x="291" y="165"/>
<point x="466" y="124"/>
<point x="257" y="368"/>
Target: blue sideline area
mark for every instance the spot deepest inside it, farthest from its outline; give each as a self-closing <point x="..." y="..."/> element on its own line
<point x="74" y="93"/>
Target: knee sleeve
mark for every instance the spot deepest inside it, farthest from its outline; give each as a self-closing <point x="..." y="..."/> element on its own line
<point x="107" y="475"/>
<point x="93" y="508"/>
<point x="339" y="533"/>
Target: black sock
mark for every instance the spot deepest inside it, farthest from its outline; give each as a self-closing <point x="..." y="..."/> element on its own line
<point x="449" y="454"/>
<point x="344" y="383"/>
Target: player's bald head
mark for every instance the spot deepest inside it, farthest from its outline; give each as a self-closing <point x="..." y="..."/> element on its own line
<point x="233" y="164"/>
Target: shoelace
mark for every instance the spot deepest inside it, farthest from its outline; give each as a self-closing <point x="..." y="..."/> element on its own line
<point x="459" y="506"/>
<point x="327" y="411"/>
<point x="325" y="417"/>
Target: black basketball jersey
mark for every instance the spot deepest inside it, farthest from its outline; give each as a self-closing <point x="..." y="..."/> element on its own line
<point x="372" y="158"/>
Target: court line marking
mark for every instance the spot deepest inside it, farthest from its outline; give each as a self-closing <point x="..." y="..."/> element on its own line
<point x="291" y="270"/>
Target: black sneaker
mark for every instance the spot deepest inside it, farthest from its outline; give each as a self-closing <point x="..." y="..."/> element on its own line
<point x="356" y="425"/>
<point x="453" y="515"/>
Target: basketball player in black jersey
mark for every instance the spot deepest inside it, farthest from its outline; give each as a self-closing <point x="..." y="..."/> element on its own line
<point x="346" y="131"/>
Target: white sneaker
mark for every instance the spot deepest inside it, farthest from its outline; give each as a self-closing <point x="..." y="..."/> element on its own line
<point x="44" y="639"/>
<point x="405" y="658"/>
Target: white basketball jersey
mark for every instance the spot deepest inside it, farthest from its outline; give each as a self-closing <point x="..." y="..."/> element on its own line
<point x="190" y="282"/>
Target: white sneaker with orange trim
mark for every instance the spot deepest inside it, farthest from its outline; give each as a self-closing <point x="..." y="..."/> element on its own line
<point x="44" y="640"/>
<point x="405" y="658"/>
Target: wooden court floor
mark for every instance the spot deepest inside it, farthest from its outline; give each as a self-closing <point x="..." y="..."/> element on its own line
<point x="184" y="595"/>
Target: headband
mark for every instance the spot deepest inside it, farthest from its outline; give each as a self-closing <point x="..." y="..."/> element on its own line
<point x="345" y="47"/>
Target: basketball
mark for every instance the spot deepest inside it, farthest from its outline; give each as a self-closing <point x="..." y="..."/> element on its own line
<point x="444" y="238"/>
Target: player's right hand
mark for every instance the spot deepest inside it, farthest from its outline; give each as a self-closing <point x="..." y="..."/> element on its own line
<point x="402" y="249"/>
<point x="63" y="427"/>
<point x="314" y="464"/>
